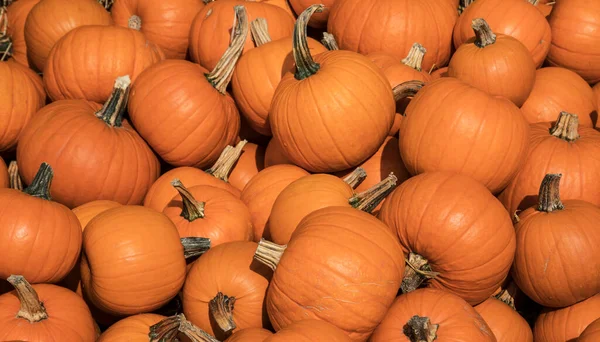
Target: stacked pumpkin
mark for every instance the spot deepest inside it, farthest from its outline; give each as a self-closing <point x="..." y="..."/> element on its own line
<point x="349" y="170"/>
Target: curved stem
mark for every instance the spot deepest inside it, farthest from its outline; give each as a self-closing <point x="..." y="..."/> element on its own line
<point x="194" y="246"/>
<point x="191" y="208"/>
<point x="549" y="195"/>
<point x="415" y="56"/>
<point x="356" y="177"/>
<point x="116" y="105"/>
<point x="40" y="186"/>
<point x="14" y="177"/>
<point x="420" y="329"/>
<point x="406" y="89"/>
<point x="566" y="127"/>
<point x="483" y="33"/>
<point x="221" y="75"/>
<point x="223" y="166"/>
<point x="305" y="65"/>
<point x="194" y="333"/>
<point x="329" y="41"/>
<point x="416" y="273"/>
<point x="369" y="199"/>
<point x="134" y="22"/>
<point x="269" y="253"/>
<point x="221" y="308"/>
<point x="31" y="308"/>
<point x="165" y="330"/>
<point x="260" y="31"/>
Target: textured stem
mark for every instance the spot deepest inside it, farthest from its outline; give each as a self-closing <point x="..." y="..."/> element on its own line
<point x="420" y="329"/>
<point x="483" y="33"/>
<point x="406" y="89"/>
<point x="549" y="195"/>
<point x="305" y="65"/>
<point x="269" y="253"/>
<point x="14" y="177"/>
<point x="369" y="199"/>
<point x="221" y="75"/>
<point x="223" y="166"/>
<point x="191" y="208"/>
<point x="356" y="177"/>
<point x="533" y="2"/>
<point x="260" y="31"/>
<point x="107" y="4"/>
<point x="116" y="105"/>
<point x="5" y="41"/>
<point x="414" y="59"/>
<point x="416" y="273"/>
<point x="194" y="333"/>
<point x="221" y="308"/>
<point x="566" y="127"/>
<point x="194" y="246"/>
<point x="31" y="308"/>
<point x="329" y="41"/>
<point x="506" y="295"/>
<point x="40" y="186"/>
<point x="165" y="330"/>
<point x="134" y="22"/>
<point x="463" y="5"/>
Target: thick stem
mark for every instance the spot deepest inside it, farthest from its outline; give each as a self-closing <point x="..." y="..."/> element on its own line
<point x="31" y="308"/>
<point x="194" y="246"/>
<point x="165" y="330"/>
<point x="260" y="31"/>
<point x="416" y="273"/>
<point x="414" y="59"/>
<point x="566" y="127"/>
<point x="549" y="196"/>
<point x="483" y="33"/>
<point x="221" y="75"/>
<point x="223" y="166"/>
<point x="134" y="22"/>
<point x="329" y="41"/>
<point x="369" y="199"/>
<point x="194" y="333"/>
<point x="356" y="177"/>
<point x="40" y="186"/>
<point x="269" y="253"/>
<point x="116" y="105"/>
<point x="221" y="308"/>
<point x="191" y="208"/>
<point x="14" y="177"/>
<point x="5" y="40"/>
<point x="420" y="329"/>
<point x="305" y="65"/>
<point x="463" y="5"/>
<point x="506" y="297"/>
<point x="406" y="89"/>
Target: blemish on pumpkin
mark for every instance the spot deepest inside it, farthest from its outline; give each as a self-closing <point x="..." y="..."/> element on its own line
<point x="546" y="265"/>
<point x="208" y="13"/>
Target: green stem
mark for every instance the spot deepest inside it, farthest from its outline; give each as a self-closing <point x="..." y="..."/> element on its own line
<point x="116" y="105"/>
<point x="305" y="65"/>
<point x="40" y="186"/>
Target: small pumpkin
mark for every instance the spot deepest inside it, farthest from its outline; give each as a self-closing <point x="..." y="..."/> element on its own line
<point x="17" y="14"/>
<point x="86" y="212"/>
<point x="544" y="6"/>
<point x="566" y="324"/>
<point x="250" y="163"/>
<point x="506" y="324"/>
<point x="134" y="328"/>
<point x="250" y="335"/>
<point x="439" y="73"/>
<point x="274" y="154"/>
<point x="309" y="330"/>
<point x="591" y="333"/>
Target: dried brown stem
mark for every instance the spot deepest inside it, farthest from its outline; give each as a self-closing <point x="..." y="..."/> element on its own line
<point x="369" y="199"/>
<point x="194" y="246"/>
<point x="194" y="333"/>
<point x="40" y="186"/>
<point x="260" y="31"/>
<point x="5" y="40"/>
<point x="165" y="330"/>
<point x="416" y="273"/>
<point x="116" y="105"/>
<point x="329" y="41"/>
<point x="415" y="56"/>
<point x="192" y="209"/>
<point x="269" y="253"/>
<point x="566" y="127"/>
<point x="420" y="329"/>
<point x="407" y="89"/>
<point x="31" y="308"/>
<point x="356" y="177"/>
<point x="483" y="33"/>
<point x="14" y="177"/>
<point x="305" y="65"/>
<point x="221" y="308"/>
<point x="134" y="22"/>
<point x="549" y="195"/>
<point x="223" y="166"/>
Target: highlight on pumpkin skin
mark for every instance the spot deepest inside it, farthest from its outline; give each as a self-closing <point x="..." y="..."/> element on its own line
<point x="113" y="109"/>
<point x="329" y="42"/>
<point x="221" y="309"/>
<point x="305" y="65"/>
<point x="230" y="155"/>
<point x="259" y="29"/>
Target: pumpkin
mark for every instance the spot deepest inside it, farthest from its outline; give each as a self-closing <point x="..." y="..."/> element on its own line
<point x="309" y="330"/>
<point x="334" y="83"/>
<point x="354" y="298"/>
<point x="393" y="26"/>
<point x="274" y="154"/>
<point x="493" y="62"/>
<point x="133" y="328"/>
<point x="261" y="192"/>
<point x="439" y="73"/>
<point x="121" y="51"/>
<point x="566" y="324"/>
<point x="41" y="238"/>
<point x="17" y="14"/>
<point x="224" y="290"/>
<point x="4" y="177"/>
<point x="248" y="133"/>
<point x="431" y="314"/>
<point x="259" y="71"/>
<point x="518" y="19"/>
<point x="249" y="335"/>
<point x="403" y="92"/>
<point x="596" y="90"/>
<point x="591" y="333"/>
<point x="210" y="30"/>
<point x="544" y="6"/>
<point x="250" y="163"/>
<point x="21" y="95"/>
<point x="86" y="212"/>
<point x="506" y="324"/>
<point x="95" y="156"/>
<point x="44" y="312"/>
<point x="558" y="89"/>
<point x="470" y="126"/>
<point x="166" y="24"/>
<point x="49" y="20"/>
<point x="567" y="149"/>
<point x="574" y="33"/>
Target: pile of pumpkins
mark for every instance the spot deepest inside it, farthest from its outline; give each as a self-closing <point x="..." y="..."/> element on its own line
<point x="351" y="170"/>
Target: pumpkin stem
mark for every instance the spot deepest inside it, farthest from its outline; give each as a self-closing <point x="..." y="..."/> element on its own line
<point x="14" y="177"/>
<point x="260" y="31"/>
<point x="414" y="59"/>
<point x="134" y="22"/>
<point x="463" y="5"/>
<point x="194" y="246"/>
<point x="221" y="75"/>
<point x="416" y="273"/>
<point x="483" y="33"/>
<point x="356" y="177"/>
<point x="5" y="40"/>
<point x="305" y="65"/>
<point x="107" y="4"/>
<point x="191" y="209"/>
<point x="230" y="155"/>
<point x="40" y="186"/>
<point x="165" y="330"/>
<point x="406" y="89"/>
<point x="194" y="333"/>
<point x="269" y="253"/>
<point x="566" y="127"/>
<point x="533" y="2"/>
<point x="369" y="199"/>
<point x="420" y="329"/>
<point x="115" y="106"/>
<point x="221" y="308"/>
<point x="549" y="196"/>
<point x="31" y="308"/>
<point x="329" y="41"/>
<point x="506" y="297"/>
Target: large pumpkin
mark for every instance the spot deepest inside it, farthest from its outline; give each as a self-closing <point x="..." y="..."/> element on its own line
<point x="506" y="324"/>
<point x="17" y="14"/>
<point x="309" y="330"/>
<point x="451" y="126"/>
<point x="133" y="328"/>
<point x="591" y="333"/>
<point x="566" y="324"/>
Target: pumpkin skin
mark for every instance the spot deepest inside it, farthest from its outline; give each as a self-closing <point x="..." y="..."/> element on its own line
<point x="568" y="323"/>
<point x="166" y="24"/>
<point x="109" y="279"/>
<point x="17" y="14"/>
<point x="250" y="335"/>
<point x="274" y="154"/>
<point x="250" y="163"/>
<point x="337" y="233"/>
<point x="439" y="73"/>
<point x="211" y="28"/>
<point x="309" y="330"/>
<point x="458" y="321"/>
<point x="466" y="148"/>
<point x="556" y="90"/>
<point x="260" y="193"/>
<point x="596" y="90"/>
<point x="86" y="212"/>
<point x="230" y="269"/>
<point x="4" y="178"/>
<point x="591" y="333"/>
<point x="506" y="324"/>
<point x="49" y="20"/>
<point x="574" y="31"/>
<point x="133" y="328"/>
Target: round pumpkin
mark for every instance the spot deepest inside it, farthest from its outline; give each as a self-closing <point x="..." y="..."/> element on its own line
<point x="274" y="154"/>
<point x="86" y="212"/>
<point x="249" y="164"/>
<point x="591" y="333"/>
<point x="17" y="14"/>
<point x="309" y="330"/>
<point x="544" y="6"/>
<point x="439" y="73"/>
<point x="506" y="324"/>
<point x="250" y="335"/>
<point x="4" y="177"/>
<point x="596" y="90"/>
<point x="133" y="328"/>
<point x="566" y="324"/>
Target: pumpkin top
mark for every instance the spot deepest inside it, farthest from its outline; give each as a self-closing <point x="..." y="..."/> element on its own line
<point x="483" y="33"/>
<point x="192" y="209"/>
<point x="406" y="89"/>
<point x="356" y="177"/>
<point x="305" y="65"/>
<point x="165" y="330"/>
<point x="549" y="196"/>
<point x="260" y="31"/>
<point x="31" y="308"/>
<point x="329" y="41"/>
<point x="414" y="59"/>
<point x="566" y="127"/>
<point x="40" y="186"/>
<point x="420" y="329"/>
<point x="113" y="109"/>
<point x="229" y="156"/>
<point x="5" y="41"/>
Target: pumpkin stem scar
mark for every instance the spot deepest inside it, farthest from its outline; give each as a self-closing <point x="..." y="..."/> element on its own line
<point x="221" y="75"/>
<point x="269" y="253"/>
<point x="416" y="273"/>
<point x="566" y="127"/>
<point x="134" y="22"/>
<point x="407" y="89"/>
<point x="483" y="33"/>
<point x="115" y="106"/>
<point x="305" y="65"/>
<point x="227" y="160"/>
<point x="31" y="308"/>
<point x="40" y="186"/>
<point x="369" y="199"/>
<point x="14" y="177"/>
<point x="221" y="309"/>
<point x="549" y="195"/>
<point x="192" y="209"/>
<point x="329" y="42"/>
<point x="420" y="329"/>
<point x="193" y="332"/>
<point x="194" y="246"/>
<point x="259" y="29"/>
<point x="165" y="330"/>
<point x="414" y="59"/>
<point x="356" y="177"/>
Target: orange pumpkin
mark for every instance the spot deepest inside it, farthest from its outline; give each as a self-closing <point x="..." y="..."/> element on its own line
<point x="49" y="20"/>
<point x="4" y="177"/>
<point x="566" y="324"/>
<point x="591" y="333"/>
<point x="544" y="6"/>
<point x="318" y="20"/>
<point x="432" y="314"/>
<point x="274" y="154"/>
<point x="133" y="328"/>
<point x="86" y="212"/>
<point x="439" y="73"/>
<point x="250" y="335"/>
<point x="309" y="330"/>
<point x="17" y="14"/>
<point x="249" y="164"/>
<point x="506" y="324"/>
<point x="596" y="90"/>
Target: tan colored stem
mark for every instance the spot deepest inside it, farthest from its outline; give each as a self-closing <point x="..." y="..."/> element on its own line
<point x="269" y="253"/>
<point x="14" y="177"/>
<point x="165" y="330"/>
<point x="415" y="56"/>
<point x="260" y="31"/>
<point x="407" y="89"/>
<point x="566" y="127"/>
<point x="329" y="41"/>
<point x="194" y="246"/>
<point x="369" y="199"/>
<point x="194" y="333"/>
<point x="116" y="105"/>
<point x="134" y="22"/>
<point x="549" y="195"/>
<point x="5" y="40"/>
<point x="506" y="297"/>
<point x="40" y="186"/>
<point x="356" y="177"/>
<point x="107" y="4"/>
<point x="533" y="2"/>
<point x="31" y="308"/>
<point x="483" y="33"/>
<point x="221" y="308"/>
<point x="463" y="5"/>
<point x="221" y="75"/>
<point x="223" y="166"/>
<point x="416" y="273"/>
<point x="305" y="65"/>
<point x="420" y="329"/>
<point x="192" y="209"/>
